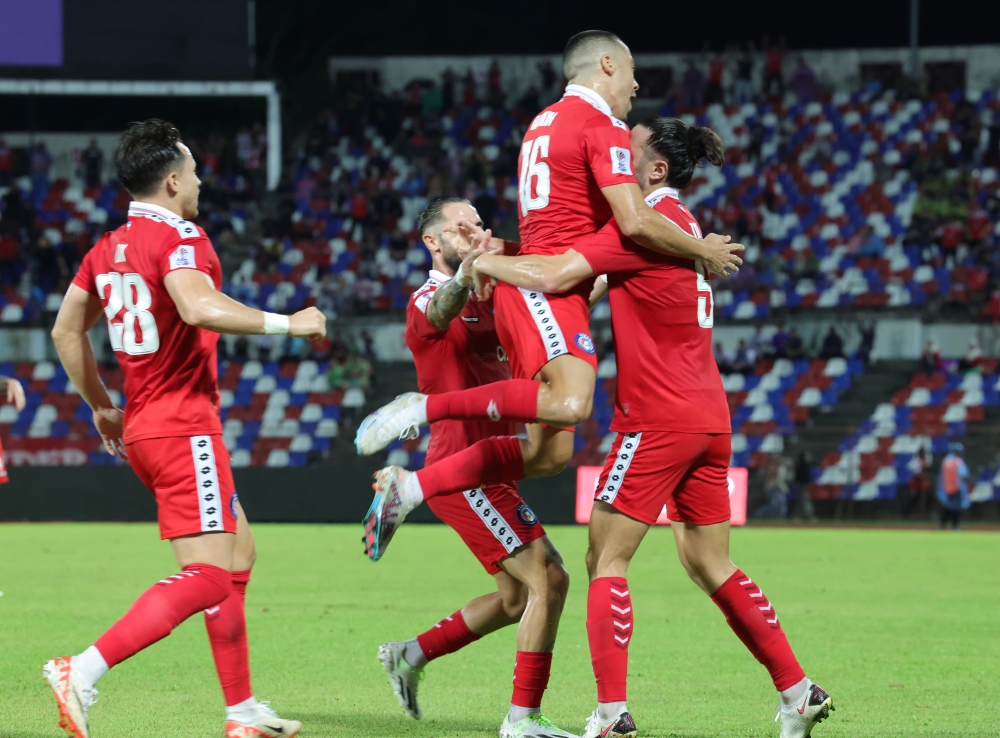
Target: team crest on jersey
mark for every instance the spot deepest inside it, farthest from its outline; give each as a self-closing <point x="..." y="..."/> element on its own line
<point x="584" y="342"/>
<point x="232" y="506"/>
<point x="621" y="160"/>
<point x="182" y="258"/>
<point x="526" y="515"/>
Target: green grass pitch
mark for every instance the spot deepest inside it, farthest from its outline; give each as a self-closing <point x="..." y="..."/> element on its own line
<point x="900" y="626"/>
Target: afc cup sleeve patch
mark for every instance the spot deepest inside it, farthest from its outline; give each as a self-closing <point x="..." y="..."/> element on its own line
<point x="182" y="258"/>
<point x="621" y="161"/>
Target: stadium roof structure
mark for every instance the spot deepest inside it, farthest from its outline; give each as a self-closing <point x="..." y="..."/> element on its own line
<point x="122" y="88"/>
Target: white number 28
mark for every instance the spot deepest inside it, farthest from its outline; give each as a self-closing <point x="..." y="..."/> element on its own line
<point x="129" y="291"/>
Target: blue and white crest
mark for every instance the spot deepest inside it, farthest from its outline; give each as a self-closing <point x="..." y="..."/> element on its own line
<point x="525" y="515"/>
<point x="584" y="342"/>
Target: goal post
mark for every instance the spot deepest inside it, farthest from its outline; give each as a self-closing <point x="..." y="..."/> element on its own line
<point x="265" y="89"/>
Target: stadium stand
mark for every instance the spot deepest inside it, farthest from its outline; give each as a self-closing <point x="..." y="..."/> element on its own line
<point x="931" y="411"/>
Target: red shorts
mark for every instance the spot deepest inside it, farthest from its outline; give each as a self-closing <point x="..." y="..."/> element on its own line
<point x="191" y="481"/>
<point x="687" y="472"/>
<point x="534" y="328"/>
<point x="494" y="521"/>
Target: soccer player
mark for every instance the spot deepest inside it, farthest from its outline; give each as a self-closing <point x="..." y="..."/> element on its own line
<point x="575" y="173"/>
<point x="15" y="396"/>
<point x="156" y="281"/>
<point x="673" y="445"/>
<point x="455" y="346"/>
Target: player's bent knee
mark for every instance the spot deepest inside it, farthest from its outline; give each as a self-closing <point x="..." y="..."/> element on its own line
<point x="558" y="581"/>
<point x="514" y="601"/>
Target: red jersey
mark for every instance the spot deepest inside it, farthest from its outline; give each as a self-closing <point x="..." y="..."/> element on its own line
<point x="467" y="354"/>
<point x="661" y="316"/>
<point x="170" y="367"/>
<point x="572" y="149"/>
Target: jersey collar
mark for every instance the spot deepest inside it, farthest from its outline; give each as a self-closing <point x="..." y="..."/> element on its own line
<point x="438" y="276"/>
<point x="658" y="194"/>
<point x="590" y="96"/>
<point x="145" y="209"/>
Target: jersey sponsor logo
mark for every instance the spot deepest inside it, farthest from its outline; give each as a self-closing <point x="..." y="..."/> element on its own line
<point x="501" y="354"/>
<point x="182" y="258"/>
<point x="621" y="160"/>
<point x="526" y="515"/>
<point x="470" y="318"/>
<point x="584" y="342"/>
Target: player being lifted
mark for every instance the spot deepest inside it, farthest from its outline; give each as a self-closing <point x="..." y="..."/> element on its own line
<point x="575" y="174"/>
<point x="673" y="445"/>
<point x="455" y="346"/>
<point x="156" y="280"/>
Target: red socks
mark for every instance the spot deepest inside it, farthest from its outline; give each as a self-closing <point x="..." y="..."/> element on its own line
<point x="609" y="630"/>
<point x="753" y="620"/>
<point x="227" y="633"/>
<point x="531" y="677"/>
<point x="163" y="607"/>
<point x="446" y="637"/>
<point x="490" y="461"/>
<point x="511" y="399"/>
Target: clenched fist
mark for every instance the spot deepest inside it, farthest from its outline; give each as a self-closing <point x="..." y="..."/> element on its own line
<point x="309" y="323"/>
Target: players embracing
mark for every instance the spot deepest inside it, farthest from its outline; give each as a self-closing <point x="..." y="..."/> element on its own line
<point x="673" y="443"/>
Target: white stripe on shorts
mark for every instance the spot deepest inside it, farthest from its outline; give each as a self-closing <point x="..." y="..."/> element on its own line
<point x="207" y="481"/>
<point x="493" y="520"/>
<point x="548" y="329"/>
<point x="616" y="477"/>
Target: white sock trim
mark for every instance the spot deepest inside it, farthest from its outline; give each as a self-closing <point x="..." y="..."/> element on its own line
<point x="413" y="493"/>
<point x="90" y="666"/>
<point x="518" y="713"/>
<point x="414" y="654"/>
<point x="795" y="693"/>
<point x="245" y="712"/>
<point x="418" y="411"/>
<point x="610" y="710"/>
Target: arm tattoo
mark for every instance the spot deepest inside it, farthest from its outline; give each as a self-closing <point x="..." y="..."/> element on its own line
<point x="448" y="301"/>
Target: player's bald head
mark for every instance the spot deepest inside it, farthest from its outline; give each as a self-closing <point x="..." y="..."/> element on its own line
<point x="583" y="52"/>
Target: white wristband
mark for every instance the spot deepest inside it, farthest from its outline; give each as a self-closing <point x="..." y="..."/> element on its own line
<point x="460" y="275"/>
<point x="276" y="325"/>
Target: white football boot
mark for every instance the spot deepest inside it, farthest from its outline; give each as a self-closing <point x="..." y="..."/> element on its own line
<point x="404" y="678"/>
<point x="798" y="719"/>
<point x="532" y="726"/>
<point x="396" y="421"/>
<point x="267" y="725"/>
<point x="620" y="726"/>
<point x="73" y="696"/>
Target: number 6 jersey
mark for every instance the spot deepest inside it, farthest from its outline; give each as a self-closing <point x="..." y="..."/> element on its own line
<point x="170" y="367"/>
<point x="661" y="317"/>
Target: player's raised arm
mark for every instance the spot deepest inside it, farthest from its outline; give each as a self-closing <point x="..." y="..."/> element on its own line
<point x="550" y="274"/>
<point x="648" y="228"/>
<point x="79" y="313"/>
<point x="450" y="299"/>
<point x="201" y="305"/>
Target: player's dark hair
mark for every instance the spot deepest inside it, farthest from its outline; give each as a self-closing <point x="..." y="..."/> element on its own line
<point x="431" y="216"/>
<point x="582" y="49"/>
<point x="146" y="153"/>
<point x="683" y="147"/>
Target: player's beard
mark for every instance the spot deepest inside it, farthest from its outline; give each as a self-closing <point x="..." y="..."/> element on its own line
<point x="450" y="257"/>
